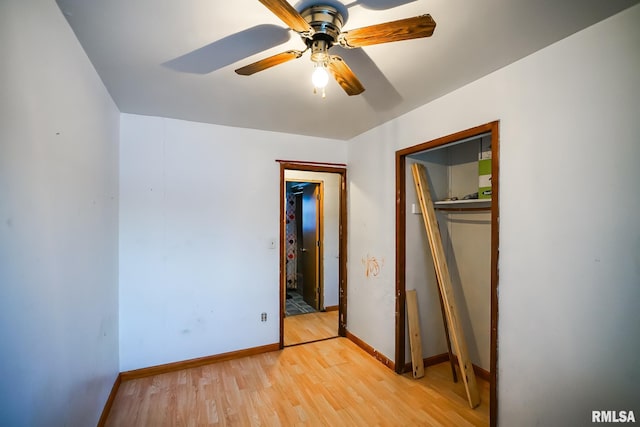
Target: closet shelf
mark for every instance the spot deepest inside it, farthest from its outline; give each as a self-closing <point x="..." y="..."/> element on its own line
<point x="464" y="205"/>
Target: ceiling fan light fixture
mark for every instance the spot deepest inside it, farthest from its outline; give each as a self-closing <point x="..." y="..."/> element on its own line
<point x="320" y="50"/>
<point x="320" y="58"/>
<point x="320" y="76"/>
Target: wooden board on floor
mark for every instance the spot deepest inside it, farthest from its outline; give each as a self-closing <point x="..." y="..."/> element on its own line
<point x="415" y="341"/>
<point x="444" y="282"/>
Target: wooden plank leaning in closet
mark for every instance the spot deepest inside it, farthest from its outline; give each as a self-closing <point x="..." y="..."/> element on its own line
<point x="415" y="341"/>
<point x="444" y="283"/>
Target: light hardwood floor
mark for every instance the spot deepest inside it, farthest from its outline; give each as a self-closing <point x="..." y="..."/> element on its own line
<point x="309" y="327"/>
<point x="326" y="383"/>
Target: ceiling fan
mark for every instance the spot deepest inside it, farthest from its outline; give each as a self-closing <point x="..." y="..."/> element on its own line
<point x="320" y="27"/>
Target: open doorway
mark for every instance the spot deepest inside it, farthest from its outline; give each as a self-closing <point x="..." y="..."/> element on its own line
<point x="313" y="255"/>
<point x="469" y="221"/>
<point x="305" y="247"/>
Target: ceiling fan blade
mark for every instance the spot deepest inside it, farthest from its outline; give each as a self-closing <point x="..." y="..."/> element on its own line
<point x="283" y="10"/>
<point x="344" y="76"/>
<point x="269" y="62"/>
<point x="395" y="31"/>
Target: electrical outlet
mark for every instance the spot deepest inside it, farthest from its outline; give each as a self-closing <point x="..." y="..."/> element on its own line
<point x="263" y="317"/>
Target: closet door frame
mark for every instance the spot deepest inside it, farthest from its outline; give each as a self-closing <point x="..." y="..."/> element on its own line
<point x="400" y="322"/>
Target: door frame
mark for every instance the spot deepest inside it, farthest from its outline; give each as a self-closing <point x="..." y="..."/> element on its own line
<point x="342" y="236"/>
<point x="401" y="156"/>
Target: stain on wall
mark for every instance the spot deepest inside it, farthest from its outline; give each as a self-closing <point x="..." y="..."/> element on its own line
<point x="372" y="266"/>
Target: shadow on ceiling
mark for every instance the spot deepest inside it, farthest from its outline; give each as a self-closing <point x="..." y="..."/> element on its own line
<point x="230" y="49"/>
<point x="379" y="4"/>
<point x="379" y="92"/>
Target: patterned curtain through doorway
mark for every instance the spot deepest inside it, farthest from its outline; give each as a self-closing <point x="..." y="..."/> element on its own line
<point x="292" y="242"/>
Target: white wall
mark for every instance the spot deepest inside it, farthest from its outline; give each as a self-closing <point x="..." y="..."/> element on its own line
<point x="199" y="207"/>
<point x="330" y="232"/>
<point x="569" y="229"/>
<point x="371" y="239"/>
<point x="58" y="224"/>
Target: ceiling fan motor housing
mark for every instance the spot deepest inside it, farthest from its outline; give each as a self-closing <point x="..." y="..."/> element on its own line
<point x="327" y="22"/>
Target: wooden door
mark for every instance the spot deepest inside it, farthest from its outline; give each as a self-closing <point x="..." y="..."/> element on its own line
<point x="310" y="245"/>
<point x="299" y="247"/>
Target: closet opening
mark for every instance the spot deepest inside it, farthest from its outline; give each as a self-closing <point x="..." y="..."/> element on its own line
<point x="463" y="175"/>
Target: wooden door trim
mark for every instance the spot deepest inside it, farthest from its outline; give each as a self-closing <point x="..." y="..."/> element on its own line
<point x="320" y="246"/>
<point x="342" y="236"/>
<point x="401" y="155"/>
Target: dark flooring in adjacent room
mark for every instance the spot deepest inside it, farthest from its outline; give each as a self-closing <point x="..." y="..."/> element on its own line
<point x="295" y="304"/>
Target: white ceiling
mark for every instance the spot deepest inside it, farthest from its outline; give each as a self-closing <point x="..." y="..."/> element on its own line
<point x="177" y="58"/>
